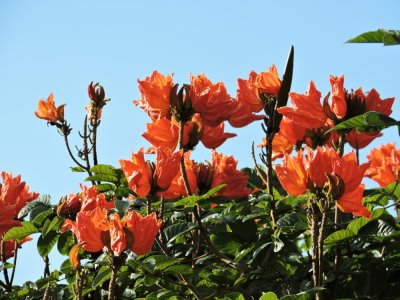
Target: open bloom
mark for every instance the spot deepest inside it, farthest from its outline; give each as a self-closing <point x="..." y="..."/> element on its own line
<point x="99" y="233"/>
<point x="269" y="82"/>
<point x="48" y="111"/>
<point x="155" y="92"/>
<point x="212" y="101"/>
<point x="385" y="164"/>
<point x="313" y="173"/>
<point x="143" y="176"/>
<point x="306" y="109"/>
<point x="225" y="171"/>
<point x="14" y="195"/>
<point x="143" y="231"/>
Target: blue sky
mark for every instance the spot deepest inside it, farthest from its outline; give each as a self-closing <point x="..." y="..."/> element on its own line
<point x="61" y="46"/>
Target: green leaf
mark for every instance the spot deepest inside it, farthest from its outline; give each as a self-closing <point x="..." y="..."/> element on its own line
<point x="387" y="37"/>
<point x="19" y="233"/>
<point x="102" y="276"/>
<point x="103" y="169"/>
<point x="161" y="262"/>
<point x="269" y="296"/>
<point x="392" y="190"/>
<point x="105" y="187"/>
<point x="370" y="121"/>
<point x="41" y="218"/>
<point x="46" y="243"/>
<point x="355" y="225"/>
<point x="177" y="229"/>
<point x="122" y="205"/>
<point x="54" y="225"/>
<point x="43" y="202"/>
<point x="77" y="169"/>
<point x="65" y="242"/>
<point x="234" y="296"/>
<point x="226" y="242"/>
<point x="291" y="222"/>
<point x="103" y="177"/>
<point x="191" y="201"/>
<point x="339" y="236"/>
<point x="307" y="295"/>
<point x="179" y="270"/>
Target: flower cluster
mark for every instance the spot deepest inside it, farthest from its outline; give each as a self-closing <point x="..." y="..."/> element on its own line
<point x="323" y="171"/>
<point x="385" y="164"/>
<point x="14" y="195"/>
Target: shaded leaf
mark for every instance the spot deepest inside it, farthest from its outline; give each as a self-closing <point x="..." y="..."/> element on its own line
<point x="46" y="243"/>
<point x="161" y="262"/>
<point x="42" y="217"/>
<point x="42" y="203"/>
<point x="177" y="229"/>
<point x="102" y="276"/>
<point x="65" y="242"/>
<point x="339" y="236"/>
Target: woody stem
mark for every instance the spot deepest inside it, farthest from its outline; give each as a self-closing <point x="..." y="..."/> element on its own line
<point x="3" y="260"/>
<point x="94" y="141"/>
<point x="46" y="266"/>
<point x="86" y="149"/>
<point x="270" y="137"/>
<point x="79" y="285"/>
<point x="111" y="287"/>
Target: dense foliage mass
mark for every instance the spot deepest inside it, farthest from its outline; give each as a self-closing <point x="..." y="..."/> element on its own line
<point x="300" y="224"/>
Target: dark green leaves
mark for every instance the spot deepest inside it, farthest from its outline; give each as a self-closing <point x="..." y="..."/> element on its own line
<point x="387" y="37"/>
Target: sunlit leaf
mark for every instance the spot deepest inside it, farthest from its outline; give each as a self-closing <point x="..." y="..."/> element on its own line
<point x="339" y="236"/>
<point x="387" y="37"/>
<point x="46" y="243"/>
<point x="19" y="233"/>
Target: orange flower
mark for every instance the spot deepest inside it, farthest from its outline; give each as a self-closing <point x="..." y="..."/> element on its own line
<point x="306" y="109"/>
<point x="213" y="137"/>
<point x="269" y="82"/>
<point x="369" y="102"/>
<point x="48" y="111"/>
<point x="338" y="105"/>
<point x="167" y="166"/>
<point x="143" y="230"/>
<point x="91" y="227"/>
<point x="177" y="186"/>
<point x="14" y="195"/>
<point x="117" y="234"/>
<point x="90" y="199"/>
<point x="385" y="164"/>
<point x="138" y="173"/>
<point x="298" y="174"/>
<point x="246" y="94"/>
<point x="225" y="172"/>
<point x="293" y="174"/>
<point x="210" y="100"/>
<point x="164" y="133"/>
<point x="155" y="92"/>
<point x="242" y="115"/>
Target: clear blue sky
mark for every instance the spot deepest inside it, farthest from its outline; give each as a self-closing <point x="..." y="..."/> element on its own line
<point x="61" y="46"/>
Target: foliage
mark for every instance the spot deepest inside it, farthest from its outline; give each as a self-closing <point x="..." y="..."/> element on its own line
<point x="173" y="228"/>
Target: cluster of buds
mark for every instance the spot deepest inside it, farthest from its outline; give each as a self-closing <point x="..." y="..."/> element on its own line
<point x="97" y="101"/>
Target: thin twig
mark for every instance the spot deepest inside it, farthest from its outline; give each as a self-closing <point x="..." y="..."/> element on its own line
<point x="258" y="169"/>
<point x="72" y="155"/>
<point x="14" y="263"/>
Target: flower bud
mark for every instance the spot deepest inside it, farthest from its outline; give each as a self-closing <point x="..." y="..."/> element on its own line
<point x="96" y="94"/>
<point x="69" y="206"/>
